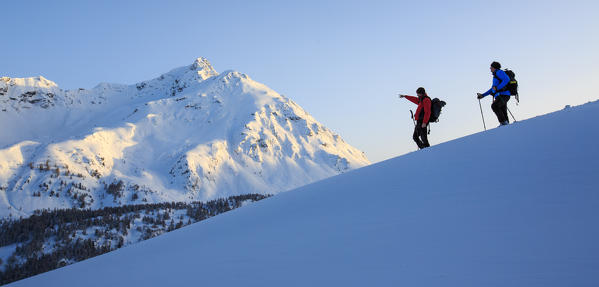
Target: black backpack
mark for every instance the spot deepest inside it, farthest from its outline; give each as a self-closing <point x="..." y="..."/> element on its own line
<point x="436" y="106"/>
<point x="512" y="86"/>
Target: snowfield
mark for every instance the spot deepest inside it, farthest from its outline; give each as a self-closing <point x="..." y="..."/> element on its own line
<point x="512" y="206"/>
<point x="190" y="134"/>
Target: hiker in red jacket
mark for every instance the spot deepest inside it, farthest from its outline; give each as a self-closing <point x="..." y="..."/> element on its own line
<point x="423" y="114"/>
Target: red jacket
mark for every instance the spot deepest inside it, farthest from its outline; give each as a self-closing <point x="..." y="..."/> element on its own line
<point x="425" y="105"/>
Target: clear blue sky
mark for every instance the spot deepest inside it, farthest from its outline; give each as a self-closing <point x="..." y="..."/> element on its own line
<point x="343" y="61"/>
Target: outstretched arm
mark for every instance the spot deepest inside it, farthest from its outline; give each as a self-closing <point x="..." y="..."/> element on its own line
<point x="480" y="96"/>
<point x="410" y="98"/>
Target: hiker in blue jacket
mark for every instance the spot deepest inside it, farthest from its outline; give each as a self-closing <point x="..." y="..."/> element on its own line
<point x="499" y="92"/>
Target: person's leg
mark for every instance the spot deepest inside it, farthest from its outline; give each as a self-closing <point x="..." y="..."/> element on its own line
<point x="499" y="106"/>
<point x="423" y="136"/>
<point x="504" y="108"/>
<point x="496" y="107"/>
<point x="416" y="137"/>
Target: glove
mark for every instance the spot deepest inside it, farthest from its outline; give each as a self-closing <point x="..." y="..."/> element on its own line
<point x="479" y="96"/>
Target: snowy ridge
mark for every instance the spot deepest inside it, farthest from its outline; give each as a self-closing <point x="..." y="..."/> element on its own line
<point x="520" y="215"/>
<point x="190" y="134"/>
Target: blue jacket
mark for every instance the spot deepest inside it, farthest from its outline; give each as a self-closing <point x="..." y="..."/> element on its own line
<point x="500" y="80"/>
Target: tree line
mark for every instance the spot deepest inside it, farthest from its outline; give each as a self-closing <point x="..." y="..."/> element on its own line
<point x="64" y="227"/>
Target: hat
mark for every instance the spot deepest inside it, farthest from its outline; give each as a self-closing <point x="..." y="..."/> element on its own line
<point x="420" y="91"/>
<point x="496" y="65"/>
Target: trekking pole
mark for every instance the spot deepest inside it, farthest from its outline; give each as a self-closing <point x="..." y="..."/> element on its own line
<point x="508" y="109"/>
<point x="481" y="114"/>
<point x="412" y="116"/>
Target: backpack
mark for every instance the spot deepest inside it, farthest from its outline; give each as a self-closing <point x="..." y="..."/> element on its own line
<point x="436" y="106"/>
<point x="512" y="86"/>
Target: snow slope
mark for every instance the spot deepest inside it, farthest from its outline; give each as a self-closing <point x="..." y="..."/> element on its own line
<point x="190" y="134"/>
<point x="513" y="206"/>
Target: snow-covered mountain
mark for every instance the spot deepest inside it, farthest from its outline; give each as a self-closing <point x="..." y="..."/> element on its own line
<point x="190" y="134"/>
<point x="512" y="206"/>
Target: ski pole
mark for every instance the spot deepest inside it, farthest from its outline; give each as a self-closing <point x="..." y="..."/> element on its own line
<point x="481" y="114"/>
<point x="412" y="116"/>
<point x="508" y="109"/>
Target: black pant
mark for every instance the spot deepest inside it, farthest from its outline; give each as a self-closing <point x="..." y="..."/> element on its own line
<point x="499" y="107"/>
<point x="420" y="133"/>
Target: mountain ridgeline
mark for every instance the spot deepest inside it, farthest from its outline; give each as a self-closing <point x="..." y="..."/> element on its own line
<point x="191" y="134"/>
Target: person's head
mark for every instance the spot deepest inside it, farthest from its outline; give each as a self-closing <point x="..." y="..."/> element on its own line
<point x="495" y="66"/>
<point x="421" y="92"/>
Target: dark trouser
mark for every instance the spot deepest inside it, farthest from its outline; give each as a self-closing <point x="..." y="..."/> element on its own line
<point x="420" y="133"/>
<point x="499" y="107"/>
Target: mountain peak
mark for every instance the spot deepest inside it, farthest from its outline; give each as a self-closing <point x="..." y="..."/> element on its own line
<point x="179" y="78"/>
<point x="201" y="63"/>
<point x="203" y="68"/>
